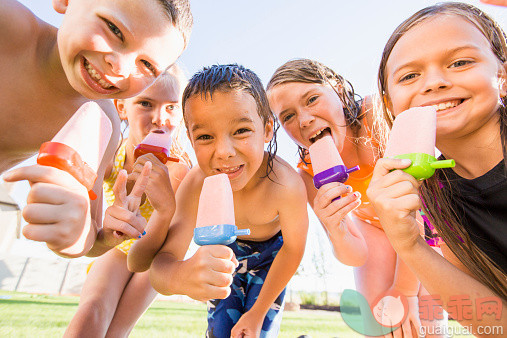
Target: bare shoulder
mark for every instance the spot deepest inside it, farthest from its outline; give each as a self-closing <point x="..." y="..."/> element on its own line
<point x="285" y="178"/>
<point x="19" y="27"/>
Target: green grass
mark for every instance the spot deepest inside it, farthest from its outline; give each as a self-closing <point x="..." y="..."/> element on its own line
<point x="29" y="315"/>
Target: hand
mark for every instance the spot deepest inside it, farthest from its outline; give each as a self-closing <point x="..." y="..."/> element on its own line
<point x="123" y="220"/>
<point x="57" y="210"/>
<point x="208" y="273"/>
<point x="495" y="2"/>
<point x="331" y="211"/>
<point x="394" y="195"/>
<point x="159" y="190"/>
<point x="410" y="327"/>
<point x="249" y="325"/>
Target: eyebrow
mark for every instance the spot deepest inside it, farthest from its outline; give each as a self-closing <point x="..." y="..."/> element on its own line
<point x="234" y="121"/>
<point x="447" y="52"/>
<point x="305" y="94"/>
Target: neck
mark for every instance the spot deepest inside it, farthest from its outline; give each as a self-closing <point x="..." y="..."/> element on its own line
<point x="129" y="155"/>
<point x="475" y="153"/>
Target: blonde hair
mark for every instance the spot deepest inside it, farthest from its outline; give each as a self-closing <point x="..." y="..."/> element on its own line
<point x="436" y="192"/>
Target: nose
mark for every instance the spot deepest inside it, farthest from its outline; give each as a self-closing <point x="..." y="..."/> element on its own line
<point x="435" y="80"/>
<point x="305" y="119"/>
<point x="224" y="149"/>
<point x="120" y="64"/>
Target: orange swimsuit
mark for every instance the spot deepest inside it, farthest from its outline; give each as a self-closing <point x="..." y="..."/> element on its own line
<point x="359" y="181"/>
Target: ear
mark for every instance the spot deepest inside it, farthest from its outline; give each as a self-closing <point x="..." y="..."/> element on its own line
<point x="268" y="131"/>
<point x="120" y="108"/>
<point x="60" y="6"/>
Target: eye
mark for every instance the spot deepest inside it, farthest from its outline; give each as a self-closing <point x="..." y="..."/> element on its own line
<point x="242" y="131"/>
<point x="116" y="31"/>
<point x="287" y="117"/>
<point x="203" y="137"/>
<point x="172" y="107"/>
<point x="145" y="104"/>
<point x="408" y="77"/>
<point x="150" y="67"/>
<point x="460" y="63"/>
<point x="312" y="99"/>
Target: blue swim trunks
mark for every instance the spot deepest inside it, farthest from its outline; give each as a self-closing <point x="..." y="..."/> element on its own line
<point x="255" y="259"/>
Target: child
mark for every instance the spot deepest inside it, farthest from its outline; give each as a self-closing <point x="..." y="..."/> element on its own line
<point x="228" y="121"/>
<point x="310" y="100"/>
<point x="463" y="73"/>
<point x="102" y="50"/>
<point x="113" y="298"/>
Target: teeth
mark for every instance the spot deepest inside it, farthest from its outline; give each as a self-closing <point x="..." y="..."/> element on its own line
<point x="446" y="105"/>
<point x="96" y="76"/>
<point x="317" y="134"/>
<point x="228" y="170"/>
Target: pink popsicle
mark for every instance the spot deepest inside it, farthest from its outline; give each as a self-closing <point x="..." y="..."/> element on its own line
<point x="324" y="155"/>
<point x="158" y="143"/>
<point x="216" y="205"/>
<point x="79" y="146"/>
<point x="413" y="131"/>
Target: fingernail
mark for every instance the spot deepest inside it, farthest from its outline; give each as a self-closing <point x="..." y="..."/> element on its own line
<point x="144" y="232"/>
<point x="7" y="175"/>
<point x="406" y="161"/>
<point x="139" y="236"/>
<point x="357" y="194"/>
<point x="349" y="188"/>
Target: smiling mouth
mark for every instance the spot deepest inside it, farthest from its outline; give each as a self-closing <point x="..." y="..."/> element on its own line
<point x="447" y="105"/>
<point x="229" y="170"/>
<point x="320" y="134"/>
<point x="95" y="76"/>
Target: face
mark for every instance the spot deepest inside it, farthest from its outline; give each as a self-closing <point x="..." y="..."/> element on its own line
<point x="228" y="135"/>
<point x="157" y="108"/>
<point x="108" y="51"/>
<point x="308" y="111"/>
<point x="457" y="73"/>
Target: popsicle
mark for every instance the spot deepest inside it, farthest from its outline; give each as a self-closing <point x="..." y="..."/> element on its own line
<point x="413" y="136"/>
<point x="215" y="215"/>
<point x="79" y="146"/>
<point x="158" y="142"/>
<point x="327" y="163"/>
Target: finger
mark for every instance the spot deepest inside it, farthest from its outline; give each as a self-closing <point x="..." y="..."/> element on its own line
<point x="400" y="189"/>
<point x="120" y="189"/>
<point x="350" y="203"/>
<point x="218" y="279"/>
<point x="40" y="173"/>
<point x="329" y="192"/>
<point x="41" y="213"/>
<point x="385" y="165"/>
<point x="49" y="233"/>
<point x="220" y="251"/>
<point x="215" y="292"/>
<point x="126" y="216"/>
<point x="139" y="187"/>
<point x="47" y="193"/>
<point x="222" y="265"/>
<point x="406" y="330"/>
<point x="123" y="230"/>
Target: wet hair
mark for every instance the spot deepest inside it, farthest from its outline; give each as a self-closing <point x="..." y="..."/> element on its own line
<point x="228" y="78"/>
<point x="436" y="191"/>
<point x="178" y="12"/>
<point x="310" y="71"/>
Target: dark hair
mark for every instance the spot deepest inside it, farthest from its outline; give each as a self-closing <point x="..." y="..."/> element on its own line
<point x="233" y="77"/>
<point x="310" y="71"/>
<point x="437" y="200"/>
<point x="180" y="15"/>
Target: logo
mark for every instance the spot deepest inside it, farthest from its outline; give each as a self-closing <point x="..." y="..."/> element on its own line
<point x="386" y="315"/>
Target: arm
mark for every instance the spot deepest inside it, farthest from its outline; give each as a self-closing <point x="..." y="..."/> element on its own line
<point x="395" y="198"/>
<point x="349" y="246"/>
<point x="208" y="273"/>
<point x="294" y="224"/>
<point x="160" y="194"/>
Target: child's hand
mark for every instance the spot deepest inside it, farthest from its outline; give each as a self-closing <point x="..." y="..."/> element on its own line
<point x="332" y="212"/>
<point x="249" y="325"/>
<point x="410" y="326"/>
<point x="208" y="273"/>
<point x="159" y="190"/>
<point x="395" y="197"/>
<point x="123" y="220"/>
<point x="57" y="210"/>
<point x="495" y="2"/>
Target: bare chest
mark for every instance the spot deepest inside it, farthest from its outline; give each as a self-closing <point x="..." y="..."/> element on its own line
<point x="258" y="215"/>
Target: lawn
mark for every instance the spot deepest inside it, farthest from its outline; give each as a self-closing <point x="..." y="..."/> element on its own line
<point x="28" y="315"/>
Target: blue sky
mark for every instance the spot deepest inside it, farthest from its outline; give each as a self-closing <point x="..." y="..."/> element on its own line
<point x="347" y="36"/>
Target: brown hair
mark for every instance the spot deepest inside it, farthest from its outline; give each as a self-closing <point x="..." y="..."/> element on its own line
<point x="310" y="71"/>
<point x="178" y="12"/>
<point x="436" y="192"/>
